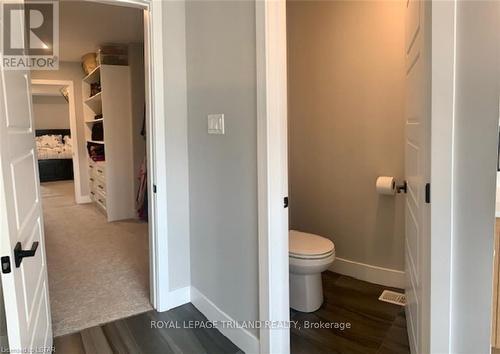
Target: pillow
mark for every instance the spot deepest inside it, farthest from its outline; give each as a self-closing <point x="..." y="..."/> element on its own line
<point x="50" y="141"/>
<point x="67" y="140"/>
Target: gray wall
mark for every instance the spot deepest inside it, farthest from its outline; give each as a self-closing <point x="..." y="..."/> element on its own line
<point x="72" y="72"/>
<point x="475" y="152"/>
<point x="346" y="125"/>
<point x="221" y="78"/>
<point x="51" y="112"/>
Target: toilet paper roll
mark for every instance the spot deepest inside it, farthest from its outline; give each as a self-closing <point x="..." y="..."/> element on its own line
<point x="386" y="185"/>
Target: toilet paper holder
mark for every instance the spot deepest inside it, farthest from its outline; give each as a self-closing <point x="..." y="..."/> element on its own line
<point x="402" y="188"/>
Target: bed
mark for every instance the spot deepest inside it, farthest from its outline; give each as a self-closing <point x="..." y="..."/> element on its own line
<point x="55" y="163"/>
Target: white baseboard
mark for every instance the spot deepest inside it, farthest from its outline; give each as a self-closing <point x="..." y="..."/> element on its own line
<point x="241" y="337"/>
<point x="83" y="199"/>
<point x="179" y="297"/>
<point x="369" y="273"/>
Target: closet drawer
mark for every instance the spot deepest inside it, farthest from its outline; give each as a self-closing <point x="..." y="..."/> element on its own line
<point x="97" y="185"/>
<point x="100" y="171"/>
<point x="100" y="199"/>
<point x="100" y="186"/>
<point x="97" y="168"/>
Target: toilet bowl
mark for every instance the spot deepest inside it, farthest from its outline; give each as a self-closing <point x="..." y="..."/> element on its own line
<point x="308" y="255"/>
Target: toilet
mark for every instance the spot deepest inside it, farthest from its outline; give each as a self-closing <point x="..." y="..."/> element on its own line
<point x="309" y="255"/>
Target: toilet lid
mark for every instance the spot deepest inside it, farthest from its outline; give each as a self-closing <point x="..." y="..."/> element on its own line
<point x="304" y="244"/>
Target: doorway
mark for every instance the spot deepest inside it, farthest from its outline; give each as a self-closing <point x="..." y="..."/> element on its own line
<point x="273" y="167"/>
<point x="334" y="127"/>
<point x="60" y="93"/>
<point x="97" y="243"/>
<point x="464" y="110"/>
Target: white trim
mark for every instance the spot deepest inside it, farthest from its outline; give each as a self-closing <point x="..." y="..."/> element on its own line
<point x="241" y="337"/>
<point x="153" y="48"/>
<point x="152" y="173"/>
<point x="179" y="297"/>
<point x="79" y="197"/>
<point x="370" y="273"/>
<point x="272" y="173"/>
<point x="86" y="199"/>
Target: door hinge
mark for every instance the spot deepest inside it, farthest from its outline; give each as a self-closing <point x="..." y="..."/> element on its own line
<point x="285" y="202"/>
<point x="428" y="193"/>
<point x="154" y="188"/>
<point x="5" y="264"/>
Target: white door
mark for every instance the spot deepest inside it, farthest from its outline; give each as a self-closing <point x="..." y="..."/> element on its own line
<point x="25" y="287"/>
<point x="417" y="171"/>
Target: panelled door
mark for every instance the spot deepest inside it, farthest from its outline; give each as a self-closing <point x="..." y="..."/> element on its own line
<point x="25" y="286"/>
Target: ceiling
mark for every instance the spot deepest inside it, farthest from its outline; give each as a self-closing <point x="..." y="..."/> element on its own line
<point x="84" y="25"/>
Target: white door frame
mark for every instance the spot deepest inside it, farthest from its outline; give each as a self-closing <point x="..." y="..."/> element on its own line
<point x="156" y="148"/>
<point x="74" y="132"/>
<point x="272" y="175"/>
<point x="272" y="162"/>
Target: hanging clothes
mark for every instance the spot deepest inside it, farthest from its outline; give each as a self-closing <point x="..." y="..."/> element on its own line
<point x="142" y="192"/>
<point x="143" y="130"/>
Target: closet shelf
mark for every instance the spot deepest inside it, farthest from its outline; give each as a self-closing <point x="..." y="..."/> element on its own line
<point x="94" y="121"/>
<point x="93" y="76"/>
<point x="114" y="103"/>
<point x="94" y="102"/>
<point x="96" y="141"/>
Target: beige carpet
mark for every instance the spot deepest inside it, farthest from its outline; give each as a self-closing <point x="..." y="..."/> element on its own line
<point x="98" y="271"/>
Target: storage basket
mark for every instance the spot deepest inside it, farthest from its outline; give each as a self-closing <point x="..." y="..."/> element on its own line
<point x="89" y="62"/>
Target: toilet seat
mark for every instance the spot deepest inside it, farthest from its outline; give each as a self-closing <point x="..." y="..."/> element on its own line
<point x="315" y="257"/>
<point x="304" y="245"/>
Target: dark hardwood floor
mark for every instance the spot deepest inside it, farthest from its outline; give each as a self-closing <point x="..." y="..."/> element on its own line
<point x="134" y="335"/>
<point x="375" y="326"/>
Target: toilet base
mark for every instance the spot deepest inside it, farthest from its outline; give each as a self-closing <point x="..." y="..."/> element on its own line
<point x="306" y="292"/>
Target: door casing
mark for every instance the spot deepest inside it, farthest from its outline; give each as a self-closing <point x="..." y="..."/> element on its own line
<point x="272" y="165"/>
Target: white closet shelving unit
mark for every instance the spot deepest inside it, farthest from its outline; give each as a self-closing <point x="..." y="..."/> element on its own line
<point x="112" y="180"/>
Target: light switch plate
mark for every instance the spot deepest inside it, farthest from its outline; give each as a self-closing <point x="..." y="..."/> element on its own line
<point x="216" y="124"/>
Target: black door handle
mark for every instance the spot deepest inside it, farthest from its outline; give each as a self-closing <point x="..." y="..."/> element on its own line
<point x="19" y="253"/>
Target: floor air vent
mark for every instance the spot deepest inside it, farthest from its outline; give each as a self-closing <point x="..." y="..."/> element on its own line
<point x="393" y="297"/>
